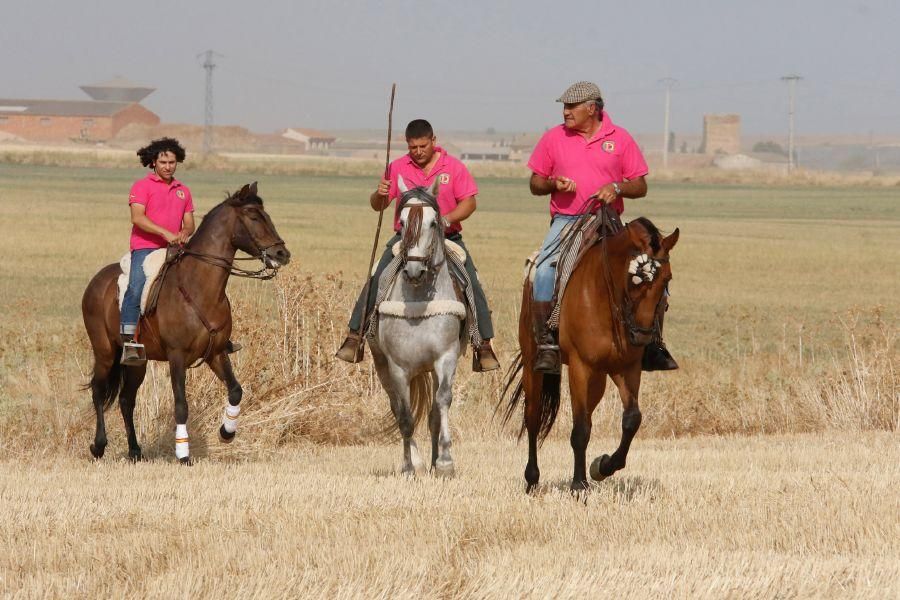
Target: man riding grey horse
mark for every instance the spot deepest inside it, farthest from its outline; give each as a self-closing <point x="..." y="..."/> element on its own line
<point x="427" y="165"/>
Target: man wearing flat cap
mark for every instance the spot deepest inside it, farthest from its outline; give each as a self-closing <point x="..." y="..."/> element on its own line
<point x="588" y="155"/>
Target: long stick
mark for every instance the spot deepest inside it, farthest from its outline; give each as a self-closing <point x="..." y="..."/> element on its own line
<point x="387" y="166"/>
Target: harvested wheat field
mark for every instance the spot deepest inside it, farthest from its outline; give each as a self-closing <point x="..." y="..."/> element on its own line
<point x="766" y="467"/>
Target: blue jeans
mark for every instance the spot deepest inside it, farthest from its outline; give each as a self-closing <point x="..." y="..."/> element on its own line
<point x="131" y="304"/>
<point x="545" y="274"/>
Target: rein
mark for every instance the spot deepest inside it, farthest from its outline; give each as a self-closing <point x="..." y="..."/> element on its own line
<point x="264" y="273"/>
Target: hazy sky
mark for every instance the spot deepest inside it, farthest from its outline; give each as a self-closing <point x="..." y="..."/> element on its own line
<point x="470" y="64"/>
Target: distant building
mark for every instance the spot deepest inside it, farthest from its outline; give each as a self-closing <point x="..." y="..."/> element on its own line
<point x="486" y="151"/>
<point x="721" y="134"/>
<point x="312" y="139"/>
<point x="70" y="120"/>
<point x="114" y="105"/>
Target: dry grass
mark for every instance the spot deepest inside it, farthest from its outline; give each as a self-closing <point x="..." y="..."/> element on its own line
<point x="766" y="467"/>
<point x="713" y="517"/>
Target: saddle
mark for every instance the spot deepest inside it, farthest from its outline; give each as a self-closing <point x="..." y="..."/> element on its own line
<point x="156" y="265"/>
<point x="575" y="240"/>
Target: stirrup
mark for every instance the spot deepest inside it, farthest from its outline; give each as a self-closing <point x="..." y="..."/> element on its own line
<point x="484" y="359"/>
<point x="352" y="350"/>
<point x="133" y="354"/>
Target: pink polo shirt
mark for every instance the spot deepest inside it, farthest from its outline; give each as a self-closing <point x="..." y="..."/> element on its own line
<point x="164" y="203"/>
<point x="610" y="156"/>
<point x="456" y="183"/>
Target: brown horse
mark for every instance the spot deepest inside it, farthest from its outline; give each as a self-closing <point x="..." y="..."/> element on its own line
<point x="610" y="311"/>
<point x="192" y="321"/>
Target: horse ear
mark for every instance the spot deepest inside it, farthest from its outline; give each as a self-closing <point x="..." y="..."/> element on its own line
<point x="401" y="185"/>
<point x="436" y="187"/>
<point x="669" y="241"/>
<point x="244" y="192"/>
<point x="253" y="188"/>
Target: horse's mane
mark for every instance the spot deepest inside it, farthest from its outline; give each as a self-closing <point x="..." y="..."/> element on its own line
<point x="655" y="235"/>
<point x="234" y="200"/>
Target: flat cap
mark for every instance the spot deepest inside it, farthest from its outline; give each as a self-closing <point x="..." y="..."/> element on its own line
<point x="581" y="91"/>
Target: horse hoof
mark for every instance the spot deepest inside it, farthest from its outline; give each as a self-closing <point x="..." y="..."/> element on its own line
<point x="135" y="457"/>
<point x="447" y="471"/>
<point x="97" y="452"/>
<point x="600" y="468"/>
<point x="578" y="487"/>
<point x="531" y="488"/>
<point x="226" y="437"/>
<point x="186" y="461"/>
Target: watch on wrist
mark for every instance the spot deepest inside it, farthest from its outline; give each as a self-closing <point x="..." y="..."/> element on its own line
<point x="617" y="189"/>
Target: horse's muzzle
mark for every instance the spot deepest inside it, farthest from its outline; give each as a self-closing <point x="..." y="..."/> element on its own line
<point x="277" y="257"/>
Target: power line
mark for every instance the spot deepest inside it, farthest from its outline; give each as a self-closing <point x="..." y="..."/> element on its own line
<point x="208" y="66"/>
<point x="668" y="82"/>
<point x="792" y="82"/>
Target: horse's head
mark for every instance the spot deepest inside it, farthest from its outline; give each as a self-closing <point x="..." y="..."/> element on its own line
<point x="254" y="232"/>
<point x="422" y="231"/>
<point x="649" y="272"/>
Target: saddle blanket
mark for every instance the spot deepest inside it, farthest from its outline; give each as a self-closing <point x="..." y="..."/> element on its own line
<point x="422" y="310"/>
<point x="152" y="264"/>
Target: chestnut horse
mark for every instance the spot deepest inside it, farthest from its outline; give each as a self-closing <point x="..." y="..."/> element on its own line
<point x="610" y="311"/>
<point x="192" y="321"/>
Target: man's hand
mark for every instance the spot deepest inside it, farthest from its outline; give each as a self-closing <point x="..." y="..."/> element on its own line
<point x="562" y="184"/>
<point x="384" y="186"/>
<point x="182" y="237"/>
<point x="171" y="238"/>
<point x="607" y="193"/>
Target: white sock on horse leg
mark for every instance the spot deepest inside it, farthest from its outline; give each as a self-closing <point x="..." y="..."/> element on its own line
<point x="182" y="448"/>
<point x="229" y="420"/>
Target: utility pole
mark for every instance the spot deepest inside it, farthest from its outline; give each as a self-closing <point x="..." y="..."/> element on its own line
<point x="668" y="82"/>
<point x="792" y="81"/>
<point x="208" y="66"/>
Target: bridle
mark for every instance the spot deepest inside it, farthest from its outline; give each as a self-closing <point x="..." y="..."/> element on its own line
<point x="411" y="236"/>
<point x="632" y="329"/>
<point x="264" y="273"/>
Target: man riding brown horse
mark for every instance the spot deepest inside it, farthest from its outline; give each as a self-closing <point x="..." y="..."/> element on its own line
<point x="586" y="159"/>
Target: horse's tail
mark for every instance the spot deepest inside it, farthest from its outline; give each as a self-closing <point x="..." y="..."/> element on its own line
<point x="548" y="390"/>
<point x="108" y="387"/>
<point x="421" y="397"/>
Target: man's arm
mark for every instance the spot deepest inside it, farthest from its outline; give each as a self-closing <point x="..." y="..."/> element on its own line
<point x="463" y="211"/>
<point x="140" y="219"/>
<point x="379" y="199"/>
<point x="635" y="188"/>
<point x="541" y="186"/>
<point x="187" y="227"/>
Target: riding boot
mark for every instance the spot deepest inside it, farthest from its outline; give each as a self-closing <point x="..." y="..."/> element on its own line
<point x="484" y="359"/>
<point x="231" y="347"/>
<point x="352" y="350"/>
<point x="656" y="355"/>
<point x="547" y="359"/>
<point x="133" y="353"/>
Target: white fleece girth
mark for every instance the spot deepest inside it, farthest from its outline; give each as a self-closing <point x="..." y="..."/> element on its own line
<point x="152" y="264"/>
<point x="422" y="310"/>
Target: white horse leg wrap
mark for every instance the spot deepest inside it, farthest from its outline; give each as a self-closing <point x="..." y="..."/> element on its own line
<point x="229" y="420"/>
<point x="182" y="448"/>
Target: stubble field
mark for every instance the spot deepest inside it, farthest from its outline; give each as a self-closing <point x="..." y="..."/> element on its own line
<point x="766" y="467"/>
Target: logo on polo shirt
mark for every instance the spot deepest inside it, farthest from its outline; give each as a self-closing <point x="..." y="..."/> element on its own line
<point x="609" y="146"/>
<point x="180" y="194"/>
<point x="444" y="178"/>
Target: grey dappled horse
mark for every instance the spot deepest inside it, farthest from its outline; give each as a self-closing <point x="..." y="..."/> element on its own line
<point x="417" y="342"/>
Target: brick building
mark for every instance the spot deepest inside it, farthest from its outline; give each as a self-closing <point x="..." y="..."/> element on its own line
<point x="721" y="134"/>
<point x="70" y="120"/>
<point x="114" y="105"/>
